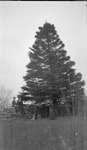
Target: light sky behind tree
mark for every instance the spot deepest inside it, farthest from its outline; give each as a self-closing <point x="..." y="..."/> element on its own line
<point x="19" y="22"/>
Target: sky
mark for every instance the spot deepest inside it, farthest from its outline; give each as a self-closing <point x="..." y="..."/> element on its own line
<point x="19" y="22"/>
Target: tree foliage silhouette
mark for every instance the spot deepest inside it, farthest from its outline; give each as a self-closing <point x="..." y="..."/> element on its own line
<point x="50" y="72"/>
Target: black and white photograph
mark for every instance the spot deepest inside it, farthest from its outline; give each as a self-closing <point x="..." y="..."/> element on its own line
<point x="43" y="75"/>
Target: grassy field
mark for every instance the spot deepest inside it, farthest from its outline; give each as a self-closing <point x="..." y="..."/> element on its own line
<point x="65" y="133"/>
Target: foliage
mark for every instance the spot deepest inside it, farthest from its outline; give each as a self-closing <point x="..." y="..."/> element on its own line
<point x="50" y="73"/>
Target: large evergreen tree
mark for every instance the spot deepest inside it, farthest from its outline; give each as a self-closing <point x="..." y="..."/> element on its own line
<point x="50" y="73"/>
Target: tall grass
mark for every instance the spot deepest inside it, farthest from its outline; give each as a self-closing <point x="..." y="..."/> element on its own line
<point x="20" y="134"/>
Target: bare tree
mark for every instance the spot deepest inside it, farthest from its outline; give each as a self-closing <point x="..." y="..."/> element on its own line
<point x="5" y="98"/>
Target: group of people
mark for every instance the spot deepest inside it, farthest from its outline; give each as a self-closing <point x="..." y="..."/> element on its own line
<point x="34" y="110"/>
<point x="18" y="105"/>
<point x="42" y="110"/>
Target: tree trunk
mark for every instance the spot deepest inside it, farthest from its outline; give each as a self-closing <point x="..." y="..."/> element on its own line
<point x="52" y="113"/>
